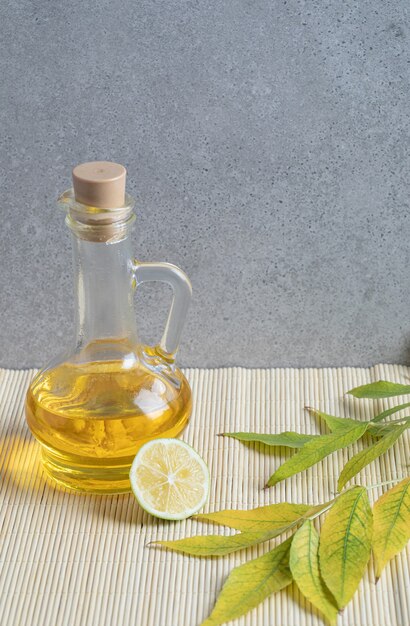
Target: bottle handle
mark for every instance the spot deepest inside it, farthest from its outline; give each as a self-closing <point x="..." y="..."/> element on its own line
<point x="182" y="292"/>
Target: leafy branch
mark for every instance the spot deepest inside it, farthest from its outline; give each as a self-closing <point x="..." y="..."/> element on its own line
<point x="327" y="566"/>
<point x="344" y="432"/>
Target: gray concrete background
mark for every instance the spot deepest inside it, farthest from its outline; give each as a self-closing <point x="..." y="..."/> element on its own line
<point x="267" y="143"/>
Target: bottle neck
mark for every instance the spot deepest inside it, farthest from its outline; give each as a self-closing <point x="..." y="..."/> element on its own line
<point x="104" y="291"/>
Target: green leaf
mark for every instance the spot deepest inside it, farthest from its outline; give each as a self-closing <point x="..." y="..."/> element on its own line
<point x="395" y="409"/>
<point x="345" y="544"/>
<point x="380" y="389"/>
<point x="272" y="516"/>
<point x="366" y="456"/>
<point x="288" y="438"/>
<point x="336" y="423"/>
<point x="249" y="584"/>
<point x="304" y="565"/>
<point x="391" y="515"/>
<point x="316" y="450"/>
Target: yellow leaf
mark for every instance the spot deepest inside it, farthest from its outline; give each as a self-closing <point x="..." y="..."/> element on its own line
<point x="391" y="529"/>
<point x="270" y="516"/>
<point x="273" y="520"/>
<point x="250" y="583"/>
<point x="345" y="544"/>
<point x="219" y="545"/>
<point x="304" y="565"/>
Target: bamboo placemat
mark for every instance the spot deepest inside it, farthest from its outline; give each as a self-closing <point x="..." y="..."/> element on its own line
<point x="76" y="560"/>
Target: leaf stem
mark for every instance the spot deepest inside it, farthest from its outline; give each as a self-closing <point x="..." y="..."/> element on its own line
<point x="312" y="517"/>
<point x="385" y="482"/>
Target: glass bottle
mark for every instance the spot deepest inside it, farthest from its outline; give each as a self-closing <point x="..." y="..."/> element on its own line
<point x="93" y="407"/>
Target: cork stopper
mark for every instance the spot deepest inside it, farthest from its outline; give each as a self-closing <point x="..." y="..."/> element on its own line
<point x="100" y="184"/>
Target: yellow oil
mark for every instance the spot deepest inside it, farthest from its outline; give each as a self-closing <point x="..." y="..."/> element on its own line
<point x="92" y="418"/>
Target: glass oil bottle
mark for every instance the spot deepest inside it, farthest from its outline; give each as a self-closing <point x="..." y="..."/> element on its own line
<point x="94" y="406"/>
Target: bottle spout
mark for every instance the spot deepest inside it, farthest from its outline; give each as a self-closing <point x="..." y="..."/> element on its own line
<point x="98" y="208"/>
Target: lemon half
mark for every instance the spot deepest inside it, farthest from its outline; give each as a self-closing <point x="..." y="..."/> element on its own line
<point x="169" y="479"/>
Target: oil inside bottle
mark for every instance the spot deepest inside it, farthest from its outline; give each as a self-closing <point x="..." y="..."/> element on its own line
<point x="91" y="419"/>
